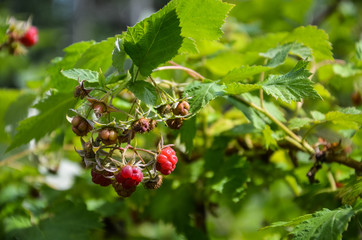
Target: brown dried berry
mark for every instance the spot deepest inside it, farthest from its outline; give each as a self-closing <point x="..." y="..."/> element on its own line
<point x="80" y="126"/>
<point x="164" y="109"/>
<point x="121" y="191"/>
<point x="143" y="125"/>
<point x="182" y="108"/>
<point x="175" y="123"/>
<point x="154" y="183"/>
<point x="108" y="136"/>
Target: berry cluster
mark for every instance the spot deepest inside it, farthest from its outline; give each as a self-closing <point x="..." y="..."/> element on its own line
<point x="124" y="166"/>
<point x="20" y="35"/>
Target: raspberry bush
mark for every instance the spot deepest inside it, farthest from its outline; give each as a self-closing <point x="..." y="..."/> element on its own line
<point x="209" y="119"/>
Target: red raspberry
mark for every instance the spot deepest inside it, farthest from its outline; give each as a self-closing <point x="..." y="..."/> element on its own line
<point x="129" y="176"/>
<point x="166" y="161"/>
<point x="30" y="37"/>
<point x="80" y="126"/>
<point x="99" y="178"/>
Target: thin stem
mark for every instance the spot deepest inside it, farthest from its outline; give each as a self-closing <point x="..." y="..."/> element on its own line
<point x="262" y="76"/>
<point x="191" y="72"/>
<point x="331" y="180"/>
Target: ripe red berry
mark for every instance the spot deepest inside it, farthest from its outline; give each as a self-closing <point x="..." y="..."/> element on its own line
<point x="129" y="176"/>
<point x="108" y="136"/>
<point x="30" y="37"/>
<point x="99" y="178"/>
<point x="166" y="161"/>
<point x="182" y="108"/>
<point x="80" y="126"/>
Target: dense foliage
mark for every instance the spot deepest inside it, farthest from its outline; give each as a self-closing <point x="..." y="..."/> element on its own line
<point x="261" y="112"/>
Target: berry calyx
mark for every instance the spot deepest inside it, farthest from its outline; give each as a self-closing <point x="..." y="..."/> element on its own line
<point x="80" y="126"/>
<point x="108" y="136"/>
<point x="30" y="38"/>
<point x="129" y="176"/>
<point x="182" y="108"/>
<point x="175" y="123"/>
<point x="99" y="178"/>
<point x="166" y="161"/>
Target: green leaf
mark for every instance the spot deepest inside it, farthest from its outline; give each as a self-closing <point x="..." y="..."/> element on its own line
<point x="240" y="74"/>
<point x="18" y="110"/>
<point x="118" y="55"/>
<point x="347" y="70"/>
<point x="268" y="138"/>
<point x="201" y="94"/>
<point x="72" y="54"/>
<point x="324" y="225"/>
<point x="314" y="38"/>
<point x="301" y="51"/>
<point x="277" y="55"/>
<point x="52" y="115"/>
<point x="318" y="115"/>
<point x="297" y="123"/>
<point x="188" y="133"/>
<point x="154" y="40"/>
<point x="66" y="221"/>
<point x="239" y="88"/>
<point x="202" y="19"/>
<point x="349" y="117"/>
<point x="98" y="56"/>
<point x="144" y="91"/>
<point x="294" y="222"/>
<point x="81" y="74"/>
<point x="352" y="191"/>
<point x="359" y="50"/>
<point x="7" y="96"/>
<point x="293" y="86"/>
<point x="252" y="115"/>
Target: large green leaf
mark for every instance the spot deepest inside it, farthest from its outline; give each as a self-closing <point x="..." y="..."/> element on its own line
<point x="81" y="74"/>
<point x="66" y="221"/>
<point x="154" y="40"/>
<point x="201" y="94"/>
<point x="293" y="86"/>
<point x="72" y="54"/>
<point x="348" y="117"/>
<point x="144" y="91"/>
<point x="324" y="225"/>
<point x="202" y="19"/>
<point x="98" y="56"/>
<point x="277" y="55"/>
<point x="242" y="73"/>
<point x="239" y="88"/>
<point x="51" y="116"/>
<point x="314" y="38"/>
<point x="6" y="98"/>
<point x="118" y="55"/>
